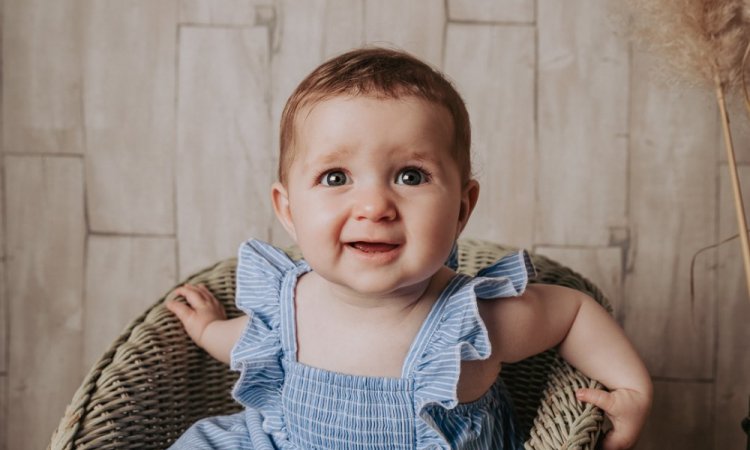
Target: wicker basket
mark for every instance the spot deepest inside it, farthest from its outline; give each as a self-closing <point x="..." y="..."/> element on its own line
<point x="154" y="382"/>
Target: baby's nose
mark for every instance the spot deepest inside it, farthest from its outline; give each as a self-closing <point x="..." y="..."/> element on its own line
<point x="374" y="204"/>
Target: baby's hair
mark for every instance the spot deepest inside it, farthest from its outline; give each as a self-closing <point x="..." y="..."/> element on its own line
<point x="379" y="73"/>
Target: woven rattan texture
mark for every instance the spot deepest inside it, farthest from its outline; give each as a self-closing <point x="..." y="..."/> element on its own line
<point x="154" y="382"/>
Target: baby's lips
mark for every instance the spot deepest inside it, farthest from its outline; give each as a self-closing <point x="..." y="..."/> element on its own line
<point x="373" y="247"/>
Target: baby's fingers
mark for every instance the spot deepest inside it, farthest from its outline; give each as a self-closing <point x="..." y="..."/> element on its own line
<point x="193" y="295"/>
<point x="202" y="301"/>
<point x="179" y="309"/>
<point x="597" y="397"/>
<point x="201" y="288"/>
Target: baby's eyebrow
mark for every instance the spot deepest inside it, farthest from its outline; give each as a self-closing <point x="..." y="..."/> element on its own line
<point x="339" y="155"/>
<point x="420" y="157"/>
<point x="333" y="157"/>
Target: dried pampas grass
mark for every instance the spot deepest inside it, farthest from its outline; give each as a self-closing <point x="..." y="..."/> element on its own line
<point x="700" y="39"/>
<point x="708" y="42"/>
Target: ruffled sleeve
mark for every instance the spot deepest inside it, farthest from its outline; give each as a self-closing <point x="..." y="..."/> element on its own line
<point x="457" y="333"/>
<point x="261" y="273"/>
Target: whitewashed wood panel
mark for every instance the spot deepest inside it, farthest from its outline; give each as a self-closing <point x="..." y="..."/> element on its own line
<point x="224" y="163"/>
<point x="297" y="48"/>
<point x="344" y="26"/>
<point x="225" y="12"/>
<point x="124" y="276"/>
<point x="582" y="124"/>
<point x="4" y="407"/>
<point x="679" y="418"/>
<point x="416" y="26"/>
<point x="303" y="39"/>
<point x="3" y="298"/>
<point x="672" y="202"/>
<point x="129" y="113"/>
<point x="603" y="266"/>
<point x="493" y="68"/>
<point x="739" y="122"/>
<point x="45" y="249"/>
<point x="4" y="336"/>
<point x="491" y="10"/>
<point x="4" y="341"/>
<point x="41" y="76"/>
<point x="732" y="392"/>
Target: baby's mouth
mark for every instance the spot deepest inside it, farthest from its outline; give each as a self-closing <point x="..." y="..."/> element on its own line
<point x="373" y="247"/>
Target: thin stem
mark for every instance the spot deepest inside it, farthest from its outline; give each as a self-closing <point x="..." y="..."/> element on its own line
<point x="735" y="179"/>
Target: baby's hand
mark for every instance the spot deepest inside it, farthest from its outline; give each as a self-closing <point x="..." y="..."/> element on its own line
<point x="201" y="309"/>
<point x="626" y="408"/>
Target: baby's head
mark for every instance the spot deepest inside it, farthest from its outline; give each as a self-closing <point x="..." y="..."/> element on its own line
<point x="378" y="73"/>
<point x="374" y="175"/>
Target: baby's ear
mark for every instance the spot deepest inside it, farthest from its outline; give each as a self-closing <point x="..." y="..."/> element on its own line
<point x="280" y="200"/>
<point x="469" y="197"/>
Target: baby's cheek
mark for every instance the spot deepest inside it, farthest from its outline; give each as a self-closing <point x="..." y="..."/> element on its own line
<point x="438" y="242"/>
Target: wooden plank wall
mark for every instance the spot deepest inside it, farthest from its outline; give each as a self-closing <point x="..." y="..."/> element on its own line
<point x="137" y="146"/>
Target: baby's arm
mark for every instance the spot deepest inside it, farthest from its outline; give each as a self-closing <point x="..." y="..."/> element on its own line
<point x="206" y="322"/>
<point x="588" y="338"/>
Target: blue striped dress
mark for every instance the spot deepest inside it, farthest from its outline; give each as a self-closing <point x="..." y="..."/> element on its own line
<point x="289" y="405"/>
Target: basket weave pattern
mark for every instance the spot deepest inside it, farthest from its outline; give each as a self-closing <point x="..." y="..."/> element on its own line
<point x="154" y="382"/>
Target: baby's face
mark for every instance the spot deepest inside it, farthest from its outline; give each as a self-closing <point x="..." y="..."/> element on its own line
<point x="374" y="199"/>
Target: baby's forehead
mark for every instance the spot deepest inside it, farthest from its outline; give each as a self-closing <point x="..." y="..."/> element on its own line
<point x="347" y="130"/>
<point x="437" y="119"/>
<point x="405" y="118"/>
<point x="310" y="103"/>
<point x="431" y="113"/>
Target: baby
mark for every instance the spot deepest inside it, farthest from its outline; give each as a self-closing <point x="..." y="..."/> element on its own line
<point x="372" y="340"/>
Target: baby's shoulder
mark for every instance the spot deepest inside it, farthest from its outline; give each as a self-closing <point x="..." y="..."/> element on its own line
<point x="264" y="259"/>
<point x="261" y="273"/>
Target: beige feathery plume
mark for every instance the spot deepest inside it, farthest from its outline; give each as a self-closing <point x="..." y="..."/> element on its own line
<point x="700" y="39"/>
<point x="708" y="42"/>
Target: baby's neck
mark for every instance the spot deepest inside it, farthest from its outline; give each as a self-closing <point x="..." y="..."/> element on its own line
<point x="360" y="334"/>
<point x="395" y="304"/>
<point x="386" y="304"/>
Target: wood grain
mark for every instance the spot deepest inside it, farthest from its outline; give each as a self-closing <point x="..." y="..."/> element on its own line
<point x="491" y="10"/>
<point x="224" y="12"/>
<point x="4" y="338"/>
<point x="679" y="417"/>
<point x="129" y="115"/>
<point x="223" y="164"/>
<point x="732" y="392"/>
<point x="297" y="49"/>
<point x="4" y="407"/>
<point x="4" y="307"/>
<point x="343" y="22"/>
<point x="582" y="124"/>
<point x="45" y="290"/>
<point x="740" y="128"/>
<point x="493" y="68"/>
<point x="41" y="76"/>
<point x="416" y="26"/>
<point x="603" y="266"/>
<point x="124" y="276"/>
<point x="672" y="202"/>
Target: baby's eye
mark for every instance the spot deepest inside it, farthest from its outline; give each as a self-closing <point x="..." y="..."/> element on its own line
<point x="334" y="178"/>
<point x="411" y="176"/>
